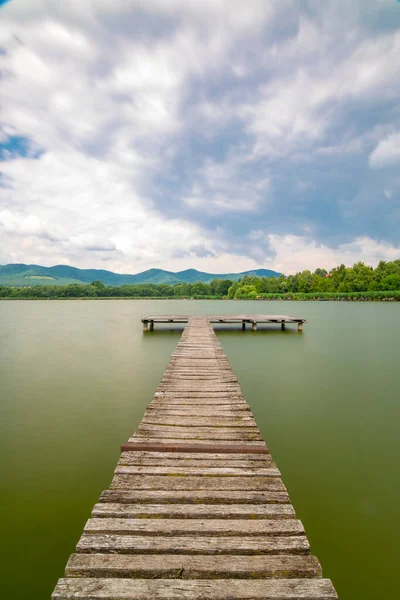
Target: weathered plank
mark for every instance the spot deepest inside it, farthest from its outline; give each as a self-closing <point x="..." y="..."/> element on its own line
<point x="194" y="544"/>
<point x="199" y="386"/>
<point x="198" y="511"/>
<point x="168" y="427"/>
<point x="234" y="460"/>
<point x="192" y="567"/>
<point x="128" y="495"/>
<point x="187" y="462"/>
<point x="234" y="433"/>
<point x="179" y="364"/>
<point x="216" y="375"/>
<point x="193" y="483"/>
<point x="197" y="379"/>
<point x="170" y="589"/>
<point x="198" y="445"/>
<point x="200" y="396"/>
<point x="221" y="403"/>
<point x="225" y="422"/>
<point x="190" y="527"/>
<point x="186" y="410"/>
<point x="193" y="434"/>
<point x="198" y="471"/>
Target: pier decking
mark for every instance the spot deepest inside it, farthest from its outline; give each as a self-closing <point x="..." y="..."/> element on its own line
<point x="197" y="509"/>
<point x="282" y="320"/>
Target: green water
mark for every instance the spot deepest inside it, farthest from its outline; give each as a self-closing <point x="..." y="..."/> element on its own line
<point x="75" y="379"/>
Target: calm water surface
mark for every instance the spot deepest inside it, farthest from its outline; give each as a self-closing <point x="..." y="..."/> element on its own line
<point x="76" y="377"/>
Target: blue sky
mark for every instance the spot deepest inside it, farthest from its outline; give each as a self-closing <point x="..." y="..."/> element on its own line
<point x="217" y="134"/>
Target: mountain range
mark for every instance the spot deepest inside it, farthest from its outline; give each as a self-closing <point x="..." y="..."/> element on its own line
<point x="23" y="275"/>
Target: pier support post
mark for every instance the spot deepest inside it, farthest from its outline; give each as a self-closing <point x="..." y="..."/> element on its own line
<point x="254" y="326"/>
<point x="150" y="326"/>
<point x="283" y="325"/>
<point x="243" y="325"/>
<point x="300" y="327"/>
<point x="145" y="326"/>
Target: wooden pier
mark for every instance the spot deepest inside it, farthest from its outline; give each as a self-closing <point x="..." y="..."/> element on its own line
<point x="282" y="320"/>
<point x="197" y="509"/>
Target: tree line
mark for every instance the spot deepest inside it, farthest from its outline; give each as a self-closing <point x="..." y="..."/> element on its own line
<point x="342" y="281"/>
<point x="216" y="289"/>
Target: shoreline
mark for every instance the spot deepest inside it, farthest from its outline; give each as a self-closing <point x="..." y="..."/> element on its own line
<point x="303" y="298"/>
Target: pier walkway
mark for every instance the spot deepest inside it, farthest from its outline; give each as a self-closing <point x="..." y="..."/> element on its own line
<point x="197" y="509"/>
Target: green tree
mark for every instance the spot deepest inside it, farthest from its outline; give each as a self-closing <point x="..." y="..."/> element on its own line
<point x="233" y="289"/>
<point x="200" y="289"/>
<point x="391" y="282"/>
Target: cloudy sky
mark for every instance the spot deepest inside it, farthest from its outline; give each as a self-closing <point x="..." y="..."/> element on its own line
<point x="222" y="135"/>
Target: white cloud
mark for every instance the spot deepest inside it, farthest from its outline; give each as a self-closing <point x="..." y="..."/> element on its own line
<point x="24" y="224"/>
<point x="92" y="243"/>
<point x="308" y="81"/>
<point x="296" y="253"/>
<point x="86" y="207"/>
<point x="386" y="153"/>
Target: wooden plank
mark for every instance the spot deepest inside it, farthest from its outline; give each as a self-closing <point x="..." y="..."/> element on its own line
<point x="196" y="411"/>
<point x="198" y="511"/>
<point x="195" y="544"/>
<point x="223" y="396"/>
<point x="247" y="421"/>
<point x="192" y="567"/>
<point x="198" y="378"/>
<point x="211" y="368"/>
<point x="189" y="457"/>
<point x="170" y="442"/>
<point x="200" y="396"/>
<point x="193" y="448"/>
<point x="227" y="483"/>
<point x="190" y="527"/>
<point x="201" y="400"/>
<point x="191" y="434"/>
<point x="200" y="404"/>
<point x="127" y="495"/>
<point x="174" y="589"/>
<point x="211" y="386"/>
<point x="192" y="460"/>
<point x="164" y="426"/>
<point x="181" y="365"/>
<point x="197" y="374"/>
<point x="205" y="387"/>
<point x="206" y="366"/>
<point x="198" y="471"/>
<point x="234" y="436"/>
<point x="187" y="366"/>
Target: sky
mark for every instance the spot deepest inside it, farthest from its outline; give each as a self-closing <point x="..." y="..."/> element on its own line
<point x="221" y="135"/>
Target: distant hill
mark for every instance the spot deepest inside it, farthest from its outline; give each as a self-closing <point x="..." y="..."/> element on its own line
<point x="22" y="275"/>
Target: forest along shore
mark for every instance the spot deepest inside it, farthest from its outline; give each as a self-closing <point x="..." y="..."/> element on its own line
<point x="357" y="283"/>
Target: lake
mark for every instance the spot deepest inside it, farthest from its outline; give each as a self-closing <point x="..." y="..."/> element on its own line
<point x="76" y="377"/>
